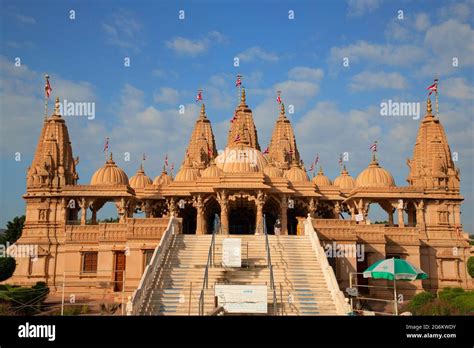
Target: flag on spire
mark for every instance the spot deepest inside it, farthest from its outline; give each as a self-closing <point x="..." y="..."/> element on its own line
<point x="340" y="159"/>
<point x="373" y="147"/>
<point x="316" y="160"/>
<point x="47" y="87"/>
<point x="433" y="87"/>
<point x="278" y="97"/>
<point x="144" y="157"/>
<point x="311" y="168"/>
<point x="172" y="167"/>
<point x="238" y="82"/>
<point x="166" y="160"/>
<point x="106" y="144"/>
<point x="199" y="95"/>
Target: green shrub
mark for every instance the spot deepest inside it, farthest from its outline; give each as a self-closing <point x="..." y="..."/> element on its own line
<point x="7" y="267"/>
<point x="470" y="266"/>
<point x="450" y="301"/>
<point x="24" y="300"/>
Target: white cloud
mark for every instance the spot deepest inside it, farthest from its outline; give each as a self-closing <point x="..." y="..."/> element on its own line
<point x="26" y="19"/>
<point x="368" y="80"/>
<point x="362" y="51"/>
<point x="166" y="95"/>
<point x="457" y="88"/>
<point x="257" y="53"/>
<point x="448" y="40"/>
<point x="306" y="73"/>
<point x="185" y="46"/>
<point x="122" y="29"/>
<point x="422" y="22"/>
<point x="360" y="7"/>
<point x="189" y="47"/>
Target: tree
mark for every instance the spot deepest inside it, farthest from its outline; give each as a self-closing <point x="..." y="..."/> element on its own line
<point x="14" y="229"/>
<point x="470" y="266"/>
<point x="7" y="267"/>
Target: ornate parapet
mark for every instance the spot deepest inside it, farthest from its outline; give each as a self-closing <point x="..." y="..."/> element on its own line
<point x="151" y="228"/>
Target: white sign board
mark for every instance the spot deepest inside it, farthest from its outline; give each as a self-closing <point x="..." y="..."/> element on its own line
<point x="359" y="217"/>
<point x="242" y="298"/>
<point x="232" y="252"/>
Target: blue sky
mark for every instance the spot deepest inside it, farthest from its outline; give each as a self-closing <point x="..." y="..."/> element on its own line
<point x="337" y="109"/>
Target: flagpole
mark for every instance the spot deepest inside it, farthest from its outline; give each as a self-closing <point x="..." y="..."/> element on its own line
<point x="46" y="78"/>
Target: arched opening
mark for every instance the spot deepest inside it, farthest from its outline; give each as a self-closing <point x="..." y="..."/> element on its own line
<point x="271" y="211"/>
<point x="211" y="208"/>
<point x="299" y="209"/>
<point x="242" y="216"/>
<point x="189" y="216"/>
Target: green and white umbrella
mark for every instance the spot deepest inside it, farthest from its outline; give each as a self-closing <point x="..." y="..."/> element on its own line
<point x="394" y="269"/>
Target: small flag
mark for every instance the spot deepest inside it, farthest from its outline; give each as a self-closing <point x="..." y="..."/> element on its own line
<point x="199" y="95"/>
<point x="172" y="166"/>
<point x="433" y="87"/>
<point x="373" y="147"/>
<point x="311" y="168"/>
<point x="279" y="98"/>
<point x="239" y="81"/>
<point x="340" y="159"/>
<point x="267" y="150"/>
<point x="47" y="87"/>
<point x="316" y="160"/>
<point x="106" y="145"/>
<point x="144" y="157"/>
<point x="166" y="160"/>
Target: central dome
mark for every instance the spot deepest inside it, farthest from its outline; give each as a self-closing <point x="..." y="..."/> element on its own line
<point x="241" y="159"/>
<point x="375" y="176"/>
<point x="109" y="174"/>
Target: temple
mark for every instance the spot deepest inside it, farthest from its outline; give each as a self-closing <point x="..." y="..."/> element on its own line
<point x="243" y="186"/>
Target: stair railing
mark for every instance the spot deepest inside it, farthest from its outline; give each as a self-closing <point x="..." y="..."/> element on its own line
<point x="209" y="263"/>
<point x="270" y="267"/>
<point x="139" y="297"/>
<point x="342" y="307"/>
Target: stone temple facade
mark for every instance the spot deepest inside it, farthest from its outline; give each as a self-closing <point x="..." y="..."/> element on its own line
<point x="243" y="185"/>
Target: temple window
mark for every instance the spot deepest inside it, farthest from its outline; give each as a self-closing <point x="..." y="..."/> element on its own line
<point x="89" y="262"/>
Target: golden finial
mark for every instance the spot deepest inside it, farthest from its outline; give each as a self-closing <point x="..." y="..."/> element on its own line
<point x="203" y="110"/>
<point x="111" y="157"/>
<point x="242" y="98"/>
<point x="56" y="106"/>
<point x="321" y="170"/>
<point x="428" y="107"/>
<point x="282" y="109"/>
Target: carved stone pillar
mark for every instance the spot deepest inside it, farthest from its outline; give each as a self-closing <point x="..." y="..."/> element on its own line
<point x="420" y="213"/>
<point x="337" y="210"/>
<point x="122" y="210"/>
<point x="148" y="209"/>
<point x="352" y="209"/>
<point x="313" y="203"/>
<point x="224" y="203"/>
<point x="401" y="223"/>
<point x="172" y="207"/>
<point x="283" y="215"/>
<point x="64" y="210"/>
<point x="198" y="204"/>
<point x="94" y="215"/>
<point x="259" y="202"/>
<point x="83" y="204"/>
<point x="390" y="218"/>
